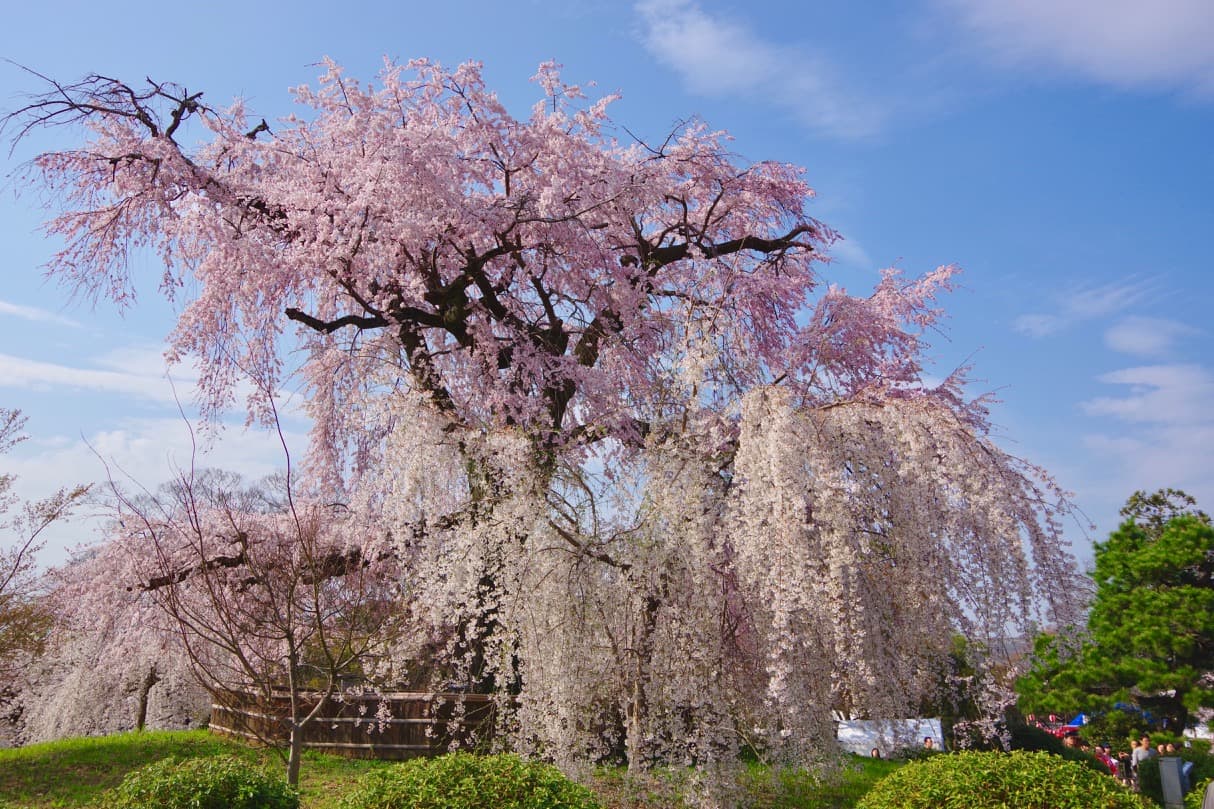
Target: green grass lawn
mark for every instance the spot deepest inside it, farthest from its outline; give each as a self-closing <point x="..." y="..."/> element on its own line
<point x="76" y="772"/>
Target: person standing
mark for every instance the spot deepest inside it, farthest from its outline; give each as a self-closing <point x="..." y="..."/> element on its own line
<point x="1140" y="752"/>
<point x="1102" y="755"/>
<point x="1125" y="772"/>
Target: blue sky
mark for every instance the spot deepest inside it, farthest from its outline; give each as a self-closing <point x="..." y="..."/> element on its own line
<point x="1058" y="150"/>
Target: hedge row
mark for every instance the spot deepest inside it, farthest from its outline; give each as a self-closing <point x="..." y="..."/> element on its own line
<point x="455" y="781"/>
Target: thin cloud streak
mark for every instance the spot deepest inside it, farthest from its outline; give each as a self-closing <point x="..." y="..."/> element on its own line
<point x="1163" y="433"/>
<point x="19" y="372"/>
<point x="851" y="253"/>
<point x="1086" y="302"/>
<point x="36" y="315"/>
<point x="1038" y="325"/>
<point x="138" y="372"/>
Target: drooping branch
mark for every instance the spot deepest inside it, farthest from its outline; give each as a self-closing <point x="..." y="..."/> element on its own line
<point x="98" y="96"/>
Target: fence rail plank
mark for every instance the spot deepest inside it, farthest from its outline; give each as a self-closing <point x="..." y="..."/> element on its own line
<point x="413" y="723"/>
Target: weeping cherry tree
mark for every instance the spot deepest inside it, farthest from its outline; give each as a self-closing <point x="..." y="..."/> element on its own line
<point x="651" y="477"/>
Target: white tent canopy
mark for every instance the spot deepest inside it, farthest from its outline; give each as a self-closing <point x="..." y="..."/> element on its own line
<point x="860" y="736"/>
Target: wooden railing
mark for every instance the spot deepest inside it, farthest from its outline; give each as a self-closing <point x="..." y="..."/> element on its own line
<point x="393" y="725"/>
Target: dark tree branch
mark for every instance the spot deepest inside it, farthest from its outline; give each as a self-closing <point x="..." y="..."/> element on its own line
<point x="214" y="563"/>
<point x="661" y="256"/>
<point x="421" y="365"/>
<point x="585" y="550"/>
<point x="332" y="565"/>
<point x="97" y="95"/>
<point x="330" y="326"/>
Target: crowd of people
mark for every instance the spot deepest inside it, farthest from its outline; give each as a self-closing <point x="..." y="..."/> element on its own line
<point x="1124" y="764"/>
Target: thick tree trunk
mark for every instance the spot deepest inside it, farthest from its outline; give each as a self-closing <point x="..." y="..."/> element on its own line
<point x="638" y="708"/>
<point x="482" y="631"/>
<point x="1169" y="711"/>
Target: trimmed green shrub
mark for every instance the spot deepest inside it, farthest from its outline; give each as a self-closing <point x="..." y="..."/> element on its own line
<point x="220" y="782"/>
<point x="1151" y="784"/>
<point x="1193" y="799"/>
<point x="1203" y="764"/>
<point x="998" y="781"/>
<point x="467" y="781"/>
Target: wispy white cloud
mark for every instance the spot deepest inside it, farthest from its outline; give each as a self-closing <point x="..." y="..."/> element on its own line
<point x="1083" y="302"/>
<point x="1098" y="300"/>
<point x="36" y="315"/>
<point x="148" y="450"/>
<point x="1038" y="325"/>
<point x="139" y="452"/>
<point x="1176" y="395"/>
<point x="1147" y="336"/>
<point x="721" y="56"/>
<point x="138" y="372"/>
<point x="1162" y="433"/>
<point x="144" y="380"/>
<point x="1125" y="43"/>
<point x="851" y="253"/>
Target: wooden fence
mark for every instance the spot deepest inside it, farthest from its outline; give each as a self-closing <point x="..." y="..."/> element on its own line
<point x="394" y="725"/>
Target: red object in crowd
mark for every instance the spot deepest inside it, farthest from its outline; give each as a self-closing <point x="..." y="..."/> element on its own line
<point x="1107" y="761"/>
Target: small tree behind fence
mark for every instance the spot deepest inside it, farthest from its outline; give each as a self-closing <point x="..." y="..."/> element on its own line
<point x="393" y="725"/>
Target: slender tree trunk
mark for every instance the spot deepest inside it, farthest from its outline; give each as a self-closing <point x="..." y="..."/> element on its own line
<point x="635" y="731"/>
<point x="141" y="713"/>
<point x="294" y="754"/>
<point x="295" y="742"/>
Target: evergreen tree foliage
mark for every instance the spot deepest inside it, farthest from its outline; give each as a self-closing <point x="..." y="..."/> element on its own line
<point x="1150" y="641"/>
